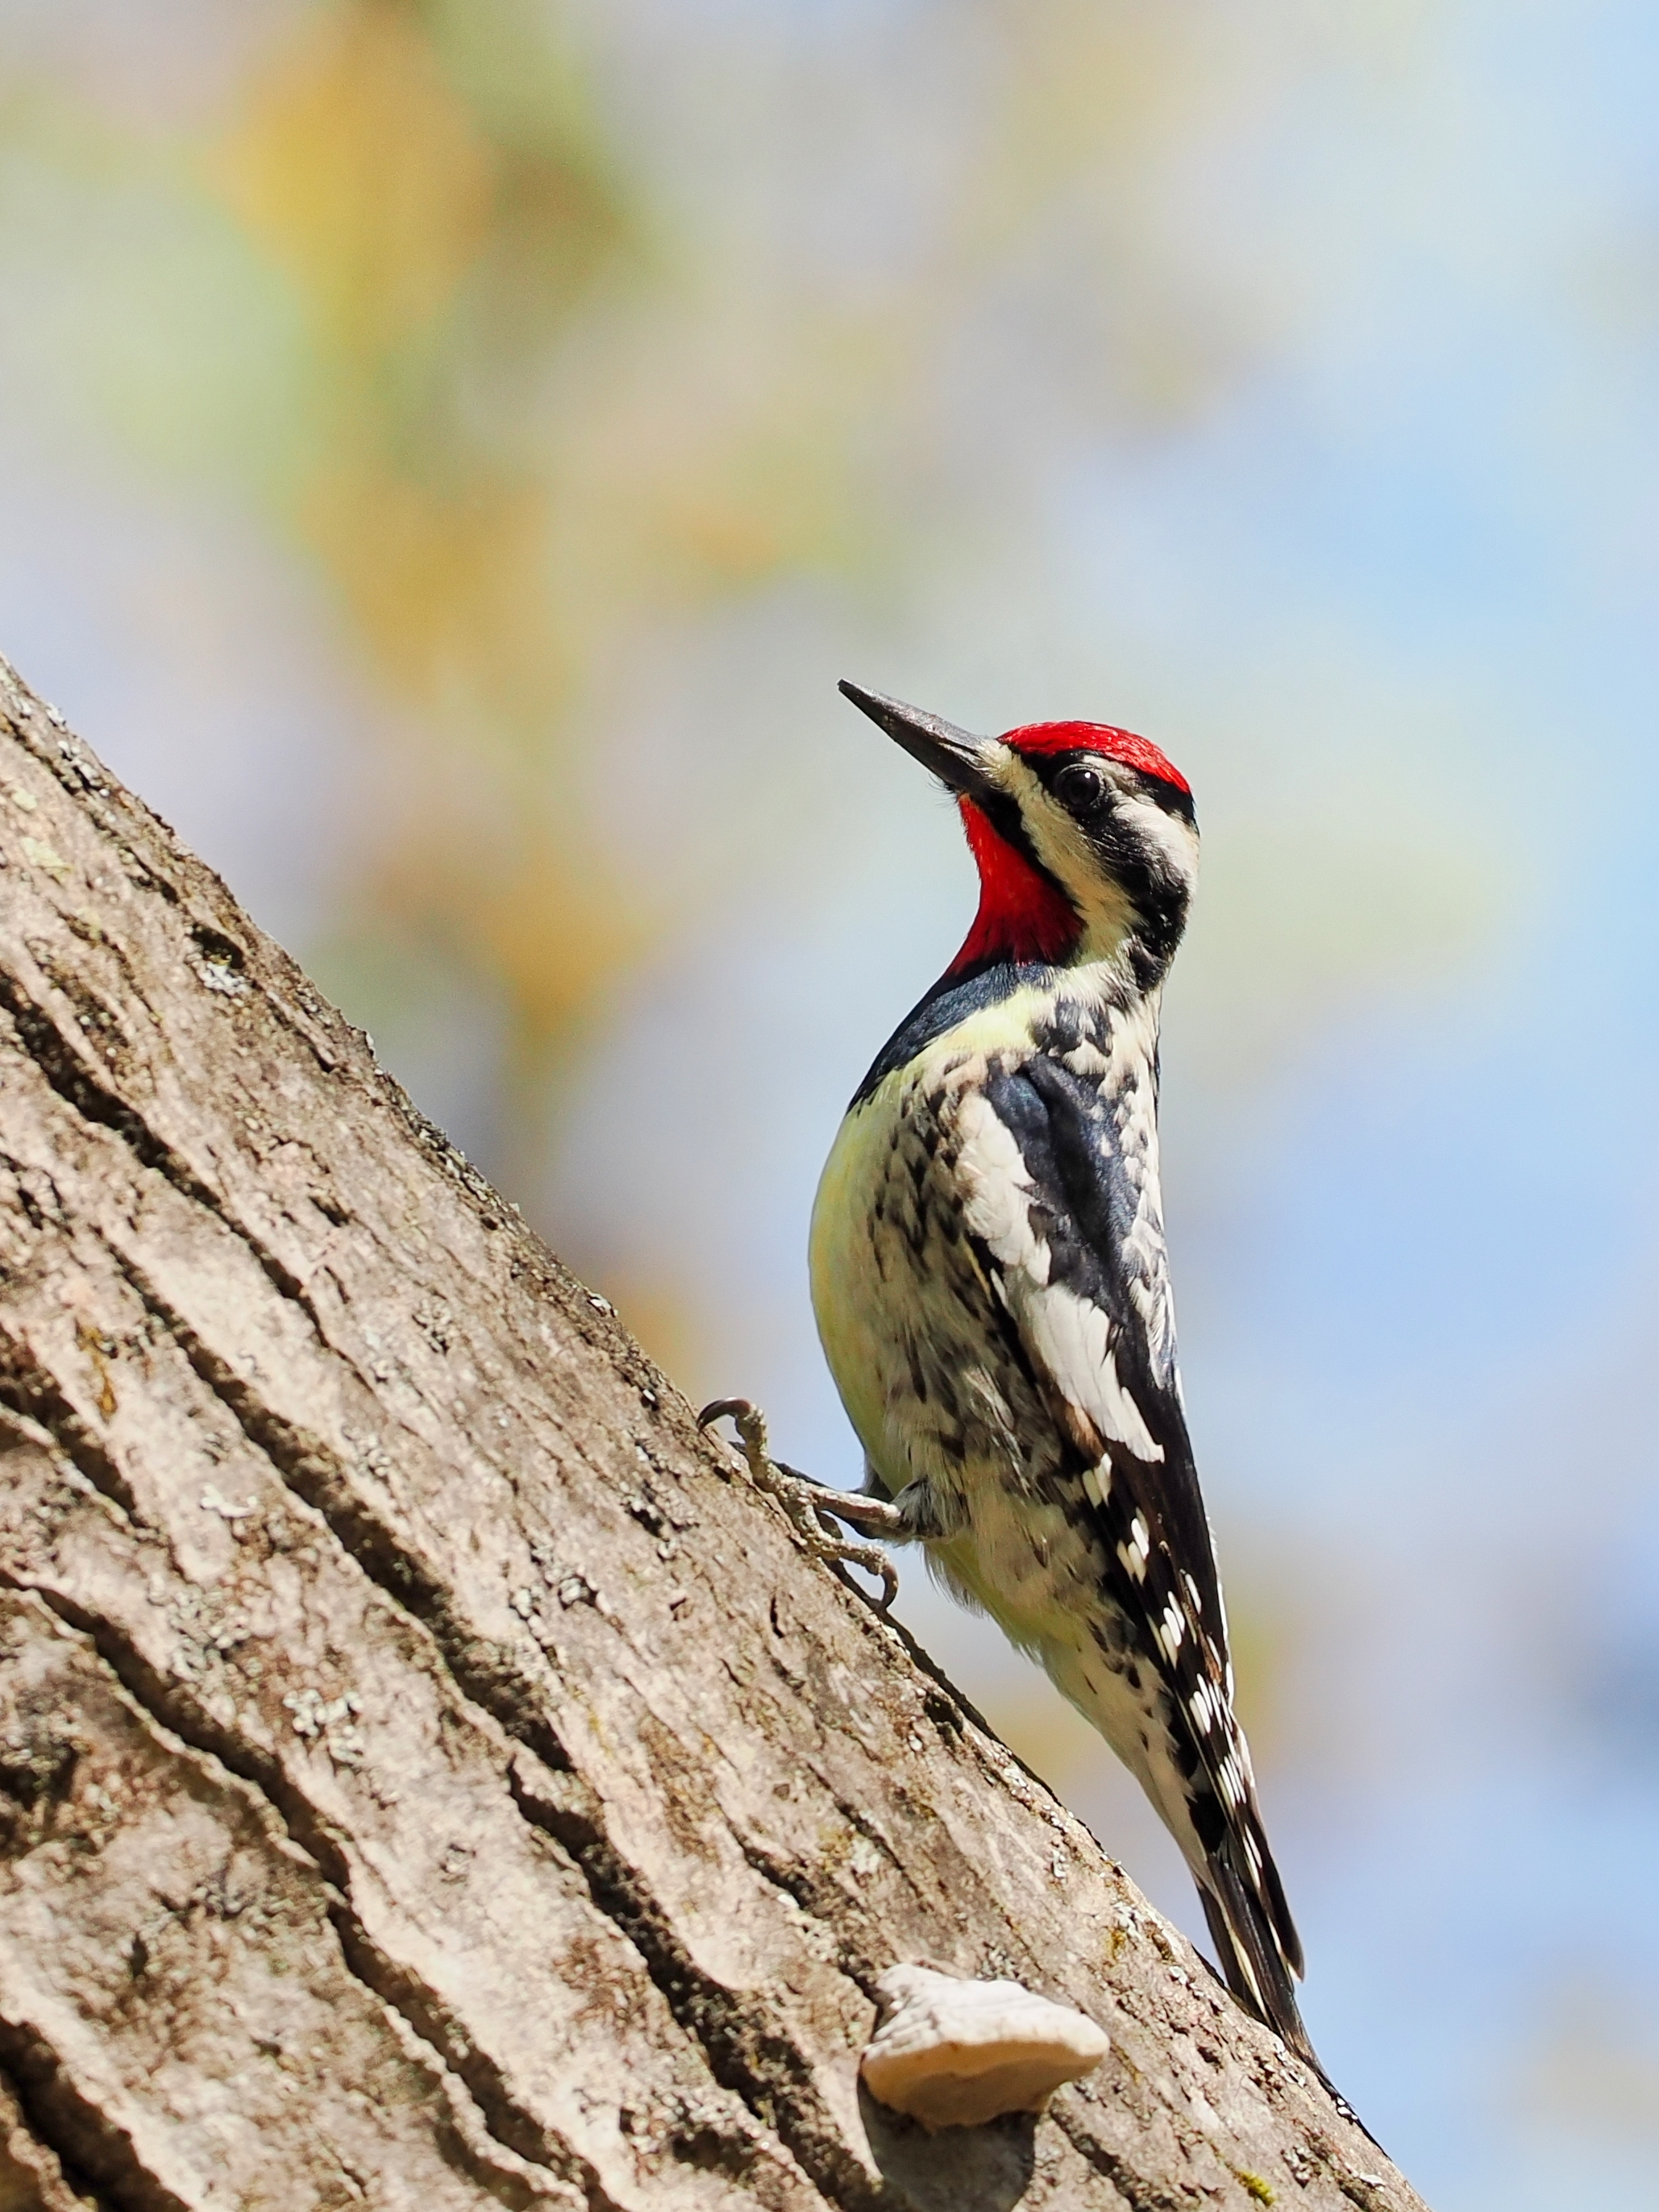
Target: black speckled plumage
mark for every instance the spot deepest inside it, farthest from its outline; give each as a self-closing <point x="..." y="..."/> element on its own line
<point x="992" y="1286"/>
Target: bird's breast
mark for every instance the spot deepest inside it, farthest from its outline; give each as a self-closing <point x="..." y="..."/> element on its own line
<point x="900" y="1300"/>
<point x="931" y="1228"/>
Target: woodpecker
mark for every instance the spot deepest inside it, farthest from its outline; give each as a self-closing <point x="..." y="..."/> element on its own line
<point x="991" y="1290"/>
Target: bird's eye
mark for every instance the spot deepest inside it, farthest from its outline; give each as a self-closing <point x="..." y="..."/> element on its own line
<point x="1080" y="789"/>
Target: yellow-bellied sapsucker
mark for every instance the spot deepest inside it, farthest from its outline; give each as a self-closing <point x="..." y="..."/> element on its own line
<point x="991" y="1290"/>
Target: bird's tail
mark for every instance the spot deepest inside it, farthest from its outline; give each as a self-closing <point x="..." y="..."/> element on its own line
<point x="1256" y="1944"/>
<point x="1255" y="1939"/>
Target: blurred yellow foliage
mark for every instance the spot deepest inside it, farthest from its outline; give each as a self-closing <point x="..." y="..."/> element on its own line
<point x="437" y="218"/>
<point x="514" y="468"/>
<point x="363" y="172"/>
<point x="445" y="580"/>
<point x="541" y="919"/>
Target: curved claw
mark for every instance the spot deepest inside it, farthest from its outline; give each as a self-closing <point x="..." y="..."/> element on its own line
<point x="721" y="1409"/>
<point x="746" y="1417"/>
<point x="807" y="1504"/>
<point x="872" y="1562"/>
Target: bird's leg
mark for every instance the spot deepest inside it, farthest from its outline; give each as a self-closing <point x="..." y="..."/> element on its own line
<point x="810" y="1504"/>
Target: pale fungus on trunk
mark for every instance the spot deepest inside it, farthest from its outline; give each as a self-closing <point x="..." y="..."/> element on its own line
<point x="955" y="2054"/>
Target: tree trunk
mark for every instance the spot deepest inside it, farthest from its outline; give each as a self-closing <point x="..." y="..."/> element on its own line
<point x="431" y="1774"/>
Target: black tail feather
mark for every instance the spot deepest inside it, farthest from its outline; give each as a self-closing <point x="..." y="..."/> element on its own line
<point x="1260" y="1956"/>
<point x="1251" y="1953"/>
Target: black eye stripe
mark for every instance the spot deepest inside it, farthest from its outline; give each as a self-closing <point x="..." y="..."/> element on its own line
<point x="1050" y="767"/>
<point x="1081" y="788"/>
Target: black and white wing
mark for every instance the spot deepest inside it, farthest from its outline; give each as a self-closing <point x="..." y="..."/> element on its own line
<point x="1061" y="1206"/>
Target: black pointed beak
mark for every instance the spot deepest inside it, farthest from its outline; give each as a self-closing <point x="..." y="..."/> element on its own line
<point x="957" y="758"/>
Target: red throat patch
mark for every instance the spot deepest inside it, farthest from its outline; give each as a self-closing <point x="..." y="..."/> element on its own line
<point x="1022" y="915"/>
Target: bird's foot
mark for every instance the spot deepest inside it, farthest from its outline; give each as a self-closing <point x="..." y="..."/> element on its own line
<point x="811" y="1505"/>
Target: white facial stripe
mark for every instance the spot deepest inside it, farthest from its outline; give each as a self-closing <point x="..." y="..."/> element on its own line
<point x="1065" y="851"/>
<point x="1175" y="838"/>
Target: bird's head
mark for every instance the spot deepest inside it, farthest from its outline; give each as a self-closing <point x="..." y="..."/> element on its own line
<point x="1084" y="836"/>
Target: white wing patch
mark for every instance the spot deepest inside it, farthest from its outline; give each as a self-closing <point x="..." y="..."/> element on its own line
<point x="1070" y="1336"/>
<point x="997" y="1190"/>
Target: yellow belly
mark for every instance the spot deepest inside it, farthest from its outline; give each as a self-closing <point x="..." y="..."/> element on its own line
<point x="849" y="1296"/>
<point x="917" y="1342"/>
<point x="913" y="1335"/>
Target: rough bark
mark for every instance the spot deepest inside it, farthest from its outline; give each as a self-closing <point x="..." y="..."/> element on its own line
<point x="431" y="1773"/>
